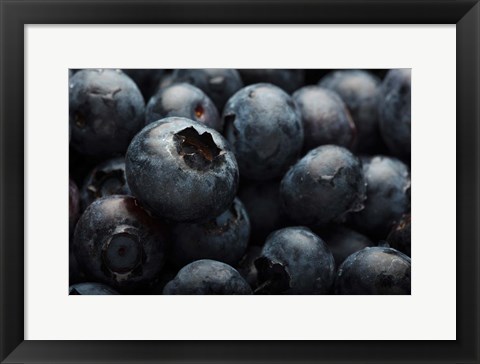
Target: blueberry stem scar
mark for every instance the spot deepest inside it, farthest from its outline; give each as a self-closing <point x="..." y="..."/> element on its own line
<point x="198" y="150"/>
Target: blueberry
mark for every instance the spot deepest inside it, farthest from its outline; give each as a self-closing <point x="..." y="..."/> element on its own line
<point x="264" y="128"/>
<point x="183" y="100"/>
<point x="224" y="238"/>
<point x="323" y="186"/>
<point x="116" y="242"/>
<point x="181" y="170"/>
<point x="73" y="205"/>
<point x="166" y="81"/>
<point x="90" y="289"/>
<point x="400" y="236"/>
<point x="325" y="118"/>
<point x="107" y="178"/>
<point x="147" y="80"/>
<point x="395" y="112"/>
<point x="287" y="79"/>
<point x="343" y="242"/>
<point x="295" y="261"/>
<point x="218" y="84"/>
<point x="207" y="277"/>
<point x="262" y="202"/>
<point x="246" y="266"/>
<point x="106" y="110"/>
<point x="359" y="90"/>
<point x="376" y="270"/>
<point x="388" y="187"/>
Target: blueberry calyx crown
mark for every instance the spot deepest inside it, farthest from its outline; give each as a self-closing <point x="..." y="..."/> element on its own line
<point x="198" y="150"/>
<point x="122" y="254"/>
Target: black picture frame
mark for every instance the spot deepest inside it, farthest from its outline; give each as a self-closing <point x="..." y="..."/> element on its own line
<point x="15" y="14"/>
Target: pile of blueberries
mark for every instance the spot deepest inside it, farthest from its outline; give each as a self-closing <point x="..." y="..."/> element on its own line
<point x="248" y="181"/>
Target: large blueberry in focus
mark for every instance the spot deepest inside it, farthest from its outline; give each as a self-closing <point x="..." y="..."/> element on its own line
<point x="107" y="178"/>
<point x="325" y="118"/>
<point x="388" y="196"/>
<point x="323" y="186"/>
<point x="264" y="128"/>
<point x="395" y="112"/>
<point x="183" y="100"/>
<point x="218" y="83"/>
<point x="375" y="270"/>
<point x="359" y="90"/>
<point x="90" y="289"/>
<point x="207" y="277"/>
<point x="106" y="109"/>
<point x="400" y="236"/>
<point x="343" y="242"/>
<point x="181" y="170"/>
<point x="295" y="261"/>
<point x="223" y="238"/>
<point x="118" y="243"/>
<point x="262" y="202"/>
<point x="287" y="79"/>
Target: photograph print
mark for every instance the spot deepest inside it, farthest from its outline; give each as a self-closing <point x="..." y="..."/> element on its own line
<point x="239" y="181"/>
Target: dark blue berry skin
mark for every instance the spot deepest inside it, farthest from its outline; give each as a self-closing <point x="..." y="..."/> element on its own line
<point x="287" y="79"/>
<point x="262" y="202"/>
<point x="263" y="126"/>
<point x="343" y="242"/>
<point x="106" y="109"/>
<point x="118" y="243"/>
<point x="181" y="170"/>
<point x="375" y="270"/>
<point x="323" y="187"/>
<point x="388" y="196"/>
<point x="246" y="267"/>
<point x="147" y="80"/>
<point x="107" y="178"/>
<point x="359" y="90"/>
<point x="186" y="101"/>
<point x="295" y="261"/>
<point x="219" y="84"/>
<point x="400" y="236"/>
<point x="90" y="289"/>
<point x="224" y="238"/>
<point x="73" y="205"/>
<point x="325" y="118"/>
<point x="207" y="277"/>
<point x="166" y="81"/>
<point x="395" y="112"/>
